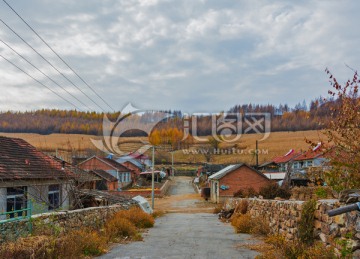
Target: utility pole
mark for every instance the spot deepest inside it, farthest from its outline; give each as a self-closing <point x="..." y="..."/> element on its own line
<point x="152" y="177"/>
<point x="172" y="164"/>
<point x="257" y="155"/>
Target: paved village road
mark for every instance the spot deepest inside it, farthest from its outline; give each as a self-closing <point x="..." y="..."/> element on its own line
<point x="185" y="234"/>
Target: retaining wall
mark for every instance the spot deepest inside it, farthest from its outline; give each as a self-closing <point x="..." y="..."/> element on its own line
<point x="61" y="221"/>
<point x="283" y="217"/>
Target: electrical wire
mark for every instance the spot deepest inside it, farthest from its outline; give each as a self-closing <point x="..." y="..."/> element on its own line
<point x="58" y="55"/>
<point x="40" y="82"/>
<point x="50" y="63"/>
<point x="43" y="73"/>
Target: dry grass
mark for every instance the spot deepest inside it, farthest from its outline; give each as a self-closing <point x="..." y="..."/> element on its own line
<point x="277" y="144"/>
<point x="242" y="223"/>
<point x="80" y="243"/>
<point x="119" y="227"/>
<point x="137" y="217"/>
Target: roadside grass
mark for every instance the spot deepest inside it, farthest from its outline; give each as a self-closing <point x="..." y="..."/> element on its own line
<point x="85" y="242"/>
<point x="275" y="245"/>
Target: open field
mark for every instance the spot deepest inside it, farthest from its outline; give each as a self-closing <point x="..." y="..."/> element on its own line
<point x="277" y="144"/>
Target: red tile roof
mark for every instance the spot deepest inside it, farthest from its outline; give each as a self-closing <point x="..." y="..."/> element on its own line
<point x="287" y="157"/>
<point x="20" y="160"/>
<point x="310" y="154"/>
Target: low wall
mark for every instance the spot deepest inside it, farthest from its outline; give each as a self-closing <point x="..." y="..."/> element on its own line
<point x="283" y="217"/>
<point x="60" y="221"/>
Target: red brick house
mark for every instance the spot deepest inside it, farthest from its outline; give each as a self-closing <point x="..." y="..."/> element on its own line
<point x="232" y="178"/>
<point x="117" y="170"/>
<point x="107" y="182"/>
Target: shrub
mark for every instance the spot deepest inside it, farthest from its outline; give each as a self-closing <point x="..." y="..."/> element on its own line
<point x="260" y="226"/>
<point x="243" y="207"/>
<point x="29" y="247"/>
<point x="137" y="216"/>
<point x="119" y="227"/>
<point x="306" y="223"/>
<point x="281" y="248"/>
<point x="246" y="193"/>
<point x="84" y="242"/>
<point x="321" y="192"/>
<point x="242" y="223"/>
<point x="273" y="190"/>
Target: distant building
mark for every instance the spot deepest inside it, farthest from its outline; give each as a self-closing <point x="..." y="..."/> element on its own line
<point x="232" y="178"/>
<point x="117" y="170"/>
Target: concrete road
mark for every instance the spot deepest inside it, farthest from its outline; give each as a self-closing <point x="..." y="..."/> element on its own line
<point x="188" y="233"/>
<point x="180" y="235"/>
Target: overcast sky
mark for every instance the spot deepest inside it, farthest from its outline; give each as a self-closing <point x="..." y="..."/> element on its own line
<point x="197" y="56"/>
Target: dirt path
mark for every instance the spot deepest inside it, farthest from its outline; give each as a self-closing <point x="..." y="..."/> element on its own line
<point x="183" y="198"/>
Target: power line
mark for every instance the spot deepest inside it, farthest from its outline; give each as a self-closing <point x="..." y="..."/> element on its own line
<point x="50" y="64"/>
<point x="58" y="55"/>
<point x="40" y="82"/>
<point x="43" y="73"/>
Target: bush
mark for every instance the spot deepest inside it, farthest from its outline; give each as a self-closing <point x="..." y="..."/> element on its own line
<point x="242" y="223"/>
<point x="246" y="193"/>
<point x="29" y="247"/>
<point x="306" y="223"/>
<point x="242" y="207"/>
<point x="260" y="226"/>
<point x="84" y="241"/>
<point x="120" y="227"/>
<point x="281" y="248"/>
<point x="273" y="190"/>
<point x="137" y="216"/>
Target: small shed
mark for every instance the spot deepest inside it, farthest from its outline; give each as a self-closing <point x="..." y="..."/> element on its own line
<point x="232" y="178"/>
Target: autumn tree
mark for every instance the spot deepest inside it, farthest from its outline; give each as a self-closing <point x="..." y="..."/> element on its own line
<point x="344" y="132"/>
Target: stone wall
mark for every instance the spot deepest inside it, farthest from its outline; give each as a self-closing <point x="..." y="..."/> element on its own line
<point x="61" y="221"/>
<point x="283" y="217"/>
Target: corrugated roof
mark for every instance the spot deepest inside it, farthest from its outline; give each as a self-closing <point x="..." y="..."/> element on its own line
<point x="224" y="171"/>
<point x="231" y="168"/>
<point x="20" y="160"/>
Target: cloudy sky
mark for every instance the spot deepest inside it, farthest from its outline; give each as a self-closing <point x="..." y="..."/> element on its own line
<point x="193" y="55"/>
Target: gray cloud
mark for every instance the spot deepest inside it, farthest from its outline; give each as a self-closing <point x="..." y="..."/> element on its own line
<point x="188" y="55"/>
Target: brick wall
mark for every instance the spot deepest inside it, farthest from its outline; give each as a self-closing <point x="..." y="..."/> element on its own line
<point x="243" y="177"/>
<point x="95" y="164"/>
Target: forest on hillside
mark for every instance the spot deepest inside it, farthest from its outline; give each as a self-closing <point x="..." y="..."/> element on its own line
<point x="283" y="118"/>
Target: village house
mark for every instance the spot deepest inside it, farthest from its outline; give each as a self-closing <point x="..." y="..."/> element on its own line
<point x="107" y="182"/>
<point x="120" y="172"/>
<point x="232" y="178"/>
<point x="29" y="178"/>
<point x="311" y="158"/>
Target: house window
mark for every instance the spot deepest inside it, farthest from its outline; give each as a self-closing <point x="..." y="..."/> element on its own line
<point x="16" y="200"/>
<point x="309" y="163"/>
<point x="54" y="196"/>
